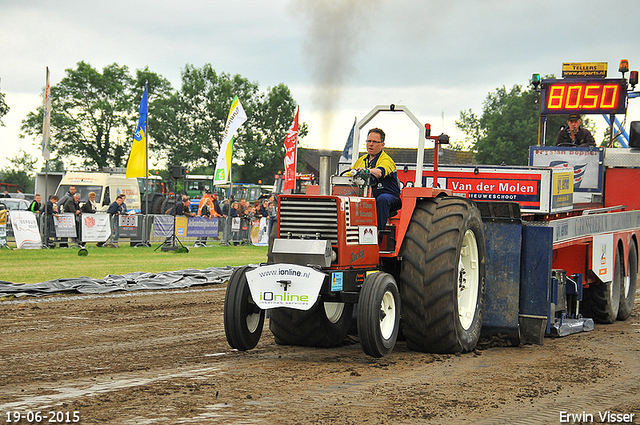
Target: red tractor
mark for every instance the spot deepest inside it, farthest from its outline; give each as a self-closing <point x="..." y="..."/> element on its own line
<point x="324" y="259"/>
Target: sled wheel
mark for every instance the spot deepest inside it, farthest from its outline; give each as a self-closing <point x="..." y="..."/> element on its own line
<point x="602" y="302"/>
<point x="324" y="325"/>
<point x="243" y="319"/>
<point x="442" y="277"/>
<point x="378" y="314"/>
<point x="630" y="282"/>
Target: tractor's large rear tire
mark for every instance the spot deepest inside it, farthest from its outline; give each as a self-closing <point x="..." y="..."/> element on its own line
<point x="630" y="283"/>
<point x="243" y="319"/>
<point x="156" y="206"/>
<point x="602" y="302"/>
<point x="324" y="325"/>
<point x="442" y="278"/>
<point x="378" y="314"/>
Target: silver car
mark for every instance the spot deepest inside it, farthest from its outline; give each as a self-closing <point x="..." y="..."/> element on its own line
<point x="12" y="204"/>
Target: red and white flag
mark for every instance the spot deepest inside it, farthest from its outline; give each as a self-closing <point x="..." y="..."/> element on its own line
<point x="290" y="157"/>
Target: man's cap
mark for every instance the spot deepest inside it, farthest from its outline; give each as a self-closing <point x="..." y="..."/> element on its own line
<point x="208" y="192"/>
<point x="574" y="116"/>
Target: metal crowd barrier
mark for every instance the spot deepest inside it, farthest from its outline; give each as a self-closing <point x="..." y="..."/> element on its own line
<point x="144" y="230"/>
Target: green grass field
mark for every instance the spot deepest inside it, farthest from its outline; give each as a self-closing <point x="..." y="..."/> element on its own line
<point x="39" y="265"/>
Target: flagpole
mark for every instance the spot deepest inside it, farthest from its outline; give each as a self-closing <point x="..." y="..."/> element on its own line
<point x="45" y="153"/>
<point x="145" y="236"/>
<point x="227" y="233"/>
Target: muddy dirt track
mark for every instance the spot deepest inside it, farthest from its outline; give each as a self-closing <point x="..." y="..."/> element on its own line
<point x="161" y="357"/>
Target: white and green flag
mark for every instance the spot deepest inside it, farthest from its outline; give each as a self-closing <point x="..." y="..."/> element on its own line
<point x="237" y="116"/>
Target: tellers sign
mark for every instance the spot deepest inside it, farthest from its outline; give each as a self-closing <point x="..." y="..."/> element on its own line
<point x="594" y="96"/>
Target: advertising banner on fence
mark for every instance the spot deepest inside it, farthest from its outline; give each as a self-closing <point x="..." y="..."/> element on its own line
<point x="202" y="227"/>
<point x="65" y="225"/>
<point x="162" y="226"/>
<point x="181" y="226"/>
<point x="3" y="228"/>
<point x="262" y="238"/>
<point x="95" y="227"/>
<point x="25" y="230"/>
<point x="129" y="226"/>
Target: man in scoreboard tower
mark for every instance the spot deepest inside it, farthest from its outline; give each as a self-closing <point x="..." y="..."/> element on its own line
<point x="573" y="135"/>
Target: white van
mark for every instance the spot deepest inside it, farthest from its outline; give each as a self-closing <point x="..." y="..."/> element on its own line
<point x="106" y="186"/>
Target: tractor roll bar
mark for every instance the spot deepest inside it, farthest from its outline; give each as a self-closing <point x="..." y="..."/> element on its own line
<point x="393" y="108"/>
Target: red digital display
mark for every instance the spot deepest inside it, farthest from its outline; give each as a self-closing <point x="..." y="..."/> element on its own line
<point x="586" y="97"/>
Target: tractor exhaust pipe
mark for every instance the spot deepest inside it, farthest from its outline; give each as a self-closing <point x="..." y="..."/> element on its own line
<point x="325" y="172"/>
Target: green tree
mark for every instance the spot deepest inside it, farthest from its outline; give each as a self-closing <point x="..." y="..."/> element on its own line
<point x="4" y="108"/>
<point x="189" y="124"/>
<point x="508" y="126"/>
<point x="262" y="150"/>
<point x="94" y="114"/>
<point x="20" y="171"/>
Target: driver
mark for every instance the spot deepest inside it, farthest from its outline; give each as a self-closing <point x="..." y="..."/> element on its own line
<point x="384" y="177"/>
<point x="574" y="135"/>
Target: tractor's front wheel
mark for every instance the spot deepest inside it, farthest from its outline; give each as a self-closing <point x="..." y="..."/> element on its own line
<point x="243" y="319"/>
<point x="442" y="278"/>
<point x="378" y="314"/>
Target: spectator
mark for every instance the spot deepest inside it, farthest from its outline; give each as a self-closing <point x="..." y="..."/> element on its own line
<point x="5" y="194"/>
<point x="264" y="208"/>
<point x="216" y="205"/>
<point x="20" y="195"/>
<point x="225" y="208"/>
<point x="90" y="207"/>
<point x="123" y="207"/>
<point x="273" y="214"/>
<point x="50" y="211"/>
<point x="35" y="205"/>
<point x="65" y="198"/>
<point x="206" y="211"/>
<point x="72" y="206"/>
<point x="242" y="208"/>
<point x="205" y="196"/>
<point x="182" y="208"/>
<point x="114" y="211"/>
<point x="233" y="215"/>
<point x="61" y="202"/>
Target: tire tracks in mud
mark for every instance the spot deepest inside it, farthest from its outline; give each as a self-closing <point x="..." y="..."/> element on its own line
<point x="162" y="357"/>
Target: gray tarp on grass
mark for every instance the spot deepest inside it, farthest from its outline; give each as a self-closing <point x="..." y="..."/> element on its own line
<point x="134" y="281"/>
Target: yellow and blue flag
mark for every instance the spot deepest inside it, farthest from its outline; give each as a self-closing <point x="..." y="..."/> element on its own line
<point x="137" y="165"/>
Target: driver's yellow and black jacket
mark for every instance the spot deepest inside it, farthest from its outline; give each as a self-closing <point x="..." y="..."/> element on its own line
<point x="389" y="181"/>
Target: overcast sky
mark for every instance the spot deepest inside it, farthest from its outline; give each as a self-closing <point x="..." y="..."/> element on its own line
<point x="436" y="57"/>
